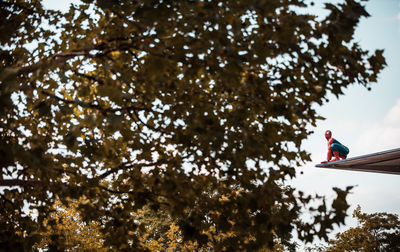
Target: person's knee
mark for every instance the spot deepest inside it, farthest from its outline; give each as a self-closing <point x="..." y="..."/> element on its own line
<point x="346" y="150"/>
<point x="335" y="147"/>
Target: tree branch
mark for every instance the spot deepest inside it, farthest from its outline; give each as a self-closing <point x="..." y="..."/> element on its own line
<point x="55" y="59"/>
<point x="147" y="125"/>
<point x="89" y="77"/>
<point x="124" y="166"/>
<point x="22" y="183"/>
<point x="63" y="57"/>
<point x="80" y="103"/>
<point x="94" y="106"/>
<point x="145" y="194"/>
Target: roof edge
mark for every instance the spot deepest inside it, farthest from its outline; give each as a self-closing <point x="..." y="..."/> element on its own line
<point x="324" y="165"/>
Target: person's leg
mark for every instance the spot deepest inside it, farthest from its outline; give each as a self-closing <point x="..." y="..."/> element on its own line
<point x="343" y="151"/>
<point x="346" y="150"/>
<point x="335" y="147"/>
<point x="335" y="151"/>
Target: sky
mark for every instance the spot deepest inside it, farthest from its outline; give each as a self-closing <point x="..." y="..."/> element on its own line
<point x="365" y="121"/>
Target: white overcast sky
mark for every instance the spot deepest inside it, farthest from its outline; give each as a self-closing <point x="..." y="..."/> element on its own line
<point x="365" y="121"/>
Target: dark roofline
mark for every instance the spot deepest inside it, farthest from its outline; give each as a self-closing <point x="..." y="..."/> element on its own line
<point x="369" y="162"/>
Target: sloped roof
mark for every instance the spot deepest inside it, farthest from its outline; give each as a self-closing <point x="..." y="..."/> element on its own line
<point x="381" y="162"/>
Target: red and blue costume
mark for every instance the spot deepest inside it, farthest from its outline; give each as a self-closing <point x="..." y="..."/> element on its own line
<point x="335" y="148"/>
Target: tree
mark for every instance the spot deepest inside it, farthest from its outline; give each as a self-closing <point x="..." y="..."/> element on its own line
<point x="374" y="232"/>
<point x="157" y="232"/>
<point x="65" y="230"/>
<point x="202" y="96"/>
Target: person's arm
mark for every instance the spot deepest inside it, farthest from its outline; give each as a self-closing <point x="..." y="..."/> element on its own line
<point x="329" y="154"/>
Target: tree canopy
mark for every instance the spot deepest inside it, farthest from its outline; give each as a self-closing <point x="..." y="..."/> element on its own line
<point x="196" y="107"/>
<point x="374" y="232"/>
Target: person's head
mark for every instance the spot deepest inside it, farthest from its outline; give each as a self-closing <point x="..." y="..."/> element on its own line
<point x="328" y="134"/>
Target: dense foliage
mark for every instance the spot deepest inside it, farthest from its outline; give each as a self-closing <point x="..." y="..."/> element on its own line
<point x="374" y="232"/>
<point x="65" y="230"/>
<point x="157" y="231"/>
<point x="195" y="107"/>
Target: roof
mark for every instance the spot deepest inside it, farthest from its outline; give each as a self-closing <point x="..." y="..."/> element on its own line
<point x="381" y="162"/>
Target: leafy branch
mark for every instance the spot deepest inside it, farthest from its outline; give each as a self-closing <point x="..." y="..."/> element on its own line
<point x="94" y="106"/>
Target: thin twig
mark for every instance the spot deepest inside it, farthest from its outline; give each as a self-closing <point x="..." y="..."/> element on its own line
<point x="124" y="166"/>
<point x="89" y="77"/>
<point x="94" y="106"/>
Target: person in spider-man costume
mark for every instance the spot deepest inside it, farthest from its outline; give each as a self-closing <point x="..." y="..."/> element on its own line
<point x="335" y="148"/>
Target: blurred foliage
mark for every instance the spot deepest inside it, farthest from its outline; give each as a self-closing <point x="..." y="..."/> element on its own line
<point x="66" y="231"/>
<point x="374" y="232"/>
<point x="203" y="97"/>
<point x="157" y="232"/>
